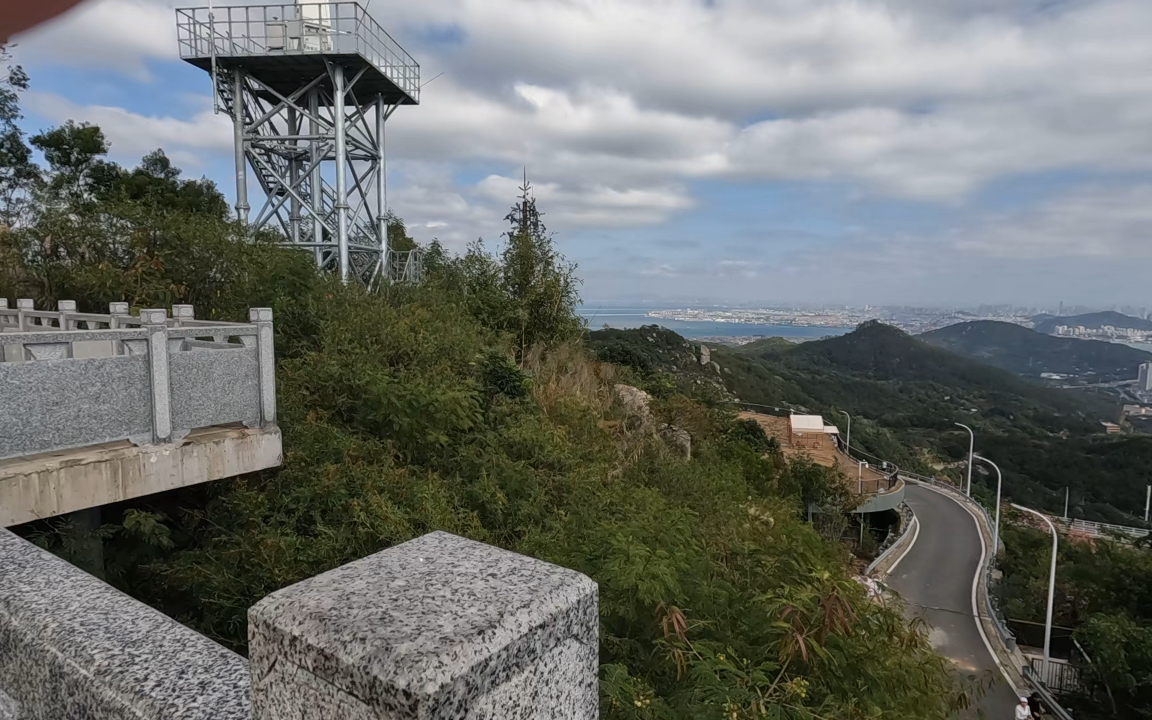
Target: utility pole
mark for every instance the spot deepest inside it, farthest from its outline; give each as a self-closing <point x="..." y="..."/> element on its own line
<point x="1147" y="500"/>
<point x="971" y="447"/>
<point x="848" y="439"/>
<point x="1066" y="505"/>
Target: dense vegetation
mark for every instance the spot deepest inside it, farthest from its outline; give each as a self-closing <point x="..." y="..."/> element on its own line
<point x="905" y="396"/>
<point x="1029" y="353"/>
<point x="1104" y="592"/>
<point x="470" y="405"/>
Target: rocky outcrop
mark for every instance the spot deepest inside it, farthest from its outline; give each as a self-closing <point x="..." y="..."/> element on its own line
<point x="638" y="418"/>
<point x="705" y="355"/>
<point x="638" y="414"/>
<point x="678" y="439"/>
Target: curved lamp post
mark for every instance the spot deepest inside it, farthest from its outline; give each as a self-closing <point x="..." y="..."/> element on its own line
<point x="1051" y="585"/>
<point x="999" y="484"/>
<point x="971" y="447"/>
<point x="848" y="439"/>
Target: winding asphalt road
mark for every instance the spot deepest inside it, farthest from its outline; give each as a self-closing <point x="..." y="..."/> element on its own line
<point x="935" y="579"/>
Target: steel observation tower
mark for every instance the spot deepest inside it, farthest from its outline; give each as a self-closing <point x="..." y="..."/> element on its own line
<point x="309" y="87"/>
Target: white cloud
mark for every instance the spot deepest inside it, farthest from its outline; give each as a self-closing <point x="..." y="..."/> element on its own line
<point x="618" y="107"/>
<point x="927" y="99"/>
<point x="1101" y="222"/>
<point x="119" y="34"/>
<point x="131" y="135"/>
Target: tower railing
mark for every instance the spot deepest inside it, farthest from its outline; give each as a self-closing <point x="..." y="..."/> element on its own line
<point x="291" y="29"/>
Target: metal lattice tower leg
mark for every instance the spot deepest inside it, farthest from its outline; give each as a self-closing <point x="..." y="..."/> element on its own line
<point x="324" y="186"/>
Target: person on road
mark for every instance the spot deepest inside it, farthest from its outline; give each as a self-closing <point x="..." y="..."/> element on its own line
<point x="1023" y="712"/>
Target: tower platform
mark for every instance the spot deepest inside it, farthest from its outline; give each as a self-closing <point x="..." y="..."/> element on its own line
<point x="287" y="46"/>
<point x="309" y="87"/>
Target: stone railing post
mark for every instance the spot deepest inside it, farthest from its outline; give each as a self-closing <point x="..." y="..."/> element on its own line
<point x="64" y="307"/>
<point x="155" y="321"/>
<point x="23" y="305"/>
<point x="7" y="355"/>
<point x="266" y="363"/>
<point x="46" y="351"/>
<point x="436" y="628"/>
<point x="117" y="310"/>
<point x="180" y="313"/>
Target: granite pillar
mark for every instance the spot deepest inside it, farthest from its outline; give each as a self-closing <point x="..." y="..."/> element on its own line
<point x="436" y="628"/>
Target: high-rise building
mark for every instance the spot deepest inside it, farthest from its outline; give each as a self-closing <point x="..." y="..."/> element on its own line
<point x="1144" y="379"/>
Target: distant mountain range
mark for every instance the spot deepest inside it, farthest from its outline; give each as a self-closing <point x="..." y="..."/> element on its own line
<point x="1030" y="353"/>
<point x="1092" y="321"/>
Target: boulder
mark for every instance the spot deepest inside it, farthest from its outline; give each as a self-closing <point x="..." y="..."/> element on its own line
<point x="705" y="355"/>
<point x="638" y="416"/>
<point x="678" y="439"/>
<point x="715" y="366"/>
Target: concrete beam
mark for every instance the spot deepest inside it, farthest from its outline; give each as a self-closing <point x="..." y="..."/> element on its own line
<point x="49" y="484"/>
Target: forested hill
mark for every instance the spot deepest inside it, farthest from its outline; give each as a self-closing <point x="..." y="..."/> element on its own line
<point x="1030" y="353"/>
<point x="883" y="352"/>
<point x="905" y="395"/>
<point x="883" y="355"/>
<point x="1048" y="323"/>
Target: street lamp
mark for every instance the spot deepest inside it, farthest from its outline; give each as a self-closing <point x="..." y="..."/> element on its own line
<point x="848" y="439"/>
<point x="1051" y="585"/>
<point x="999" y="483"/>
<point x="971" y="447"/>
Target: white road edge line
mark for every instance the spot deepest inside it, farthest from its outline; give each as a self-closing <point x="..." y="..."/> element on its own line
<point x="915" y="535"/>
<point x="976" y="584"/>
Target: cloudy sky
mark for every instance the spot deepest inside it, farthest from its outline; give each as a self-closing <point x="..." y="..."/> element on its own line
<point x="840" y="151"/>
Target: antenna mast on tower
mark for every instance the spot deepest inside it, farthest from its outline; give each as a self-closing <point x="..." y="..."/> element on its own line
<point x="309" y="87"/>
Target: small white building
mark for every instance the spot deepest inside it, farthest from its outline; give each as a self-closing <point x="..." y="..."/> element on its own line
<point x="809" y="431"/>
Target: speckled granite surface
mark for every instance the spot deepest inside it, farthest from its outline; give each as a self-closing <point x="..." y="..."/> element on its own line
<point x="439" y="627"/>
<point x="73" y="647"/>
<point x="9" y="708"/>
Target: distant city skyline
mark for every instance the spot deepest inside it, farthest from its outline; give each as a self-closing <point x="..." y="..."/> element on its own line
<point x="1141" y="312"/>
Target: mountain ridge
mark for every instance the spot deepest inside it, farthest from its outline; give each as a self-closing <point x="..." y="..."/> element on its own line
<point x="1094" y="321"/>
<point x="1029" y="353"/>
